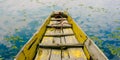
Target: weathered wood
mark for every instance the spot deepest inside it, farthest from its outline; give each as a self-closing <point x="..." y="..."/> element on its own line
<point x="56" y="40"/>
<point x="76" y="54"/>
<point x="65" y="55"/>
<point x="60" y="45"/>
<point x="93" y="50"/>
<point x="71" y="40"/>
<point x="28" y="52"/>
<point x="68" y="31"/>
<point x="43" y="54"/>
<point x="62" y="40"/>
<point x="50" y="31"/>
<point x="56" y="53"/>
<point x="58" y="35"/>
<point x="47" y="40"/>
<point x="53" y="22"/>
<point x="59" y="26"/>
<point x="57" y="19"/>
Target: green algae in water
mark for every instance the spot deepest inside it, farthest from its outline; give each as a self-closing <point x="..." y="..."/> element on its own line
<point x="89" y="15"/>
<point x="118" y="28"/>
<point x="100" y="43"/>
<point x="114" y="35"/>
<point x="90" y="7"/>
<point x="94" y="38"/>
<point x="1" y="58"/>
<point x="16" y="29"/>
<point x="14" y="47"/>
<point x="13" y="38"/>
<point x="81" y="4"/>
<point x="114" y="50"/>
<point x="117" y="21"/>
<point x="97" y="40"/>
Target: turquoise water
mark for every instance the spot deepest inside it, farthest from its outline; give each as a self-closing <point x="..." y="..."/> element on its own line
<point x="19" y="20"/>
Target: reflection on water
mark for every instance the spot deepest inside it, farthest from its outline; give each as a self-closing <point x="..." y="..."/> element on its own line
<point x="19" y="21"/>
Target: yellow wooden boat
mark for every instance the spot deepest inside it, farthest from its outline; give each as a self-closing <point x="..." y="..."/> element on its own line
<point x="60" y="38"/>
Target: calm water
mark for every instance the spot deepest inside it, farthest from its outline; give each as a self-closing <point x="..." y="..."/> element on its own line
<point x="19" y="20"/>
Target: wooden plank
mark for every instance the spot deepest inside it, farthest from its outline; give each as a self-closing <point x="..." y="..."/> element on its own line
<point x="71" y="40"/>
<point x="47" y="40"/>
<point x="94" y="51"/>
<point x="59" y="26"/>
<point x="58" y="35"/>
<point x="58" y="32"/>
<point x="44" y="54"/>
<point x="57" y="19"/>
<point x="59" y="46"/>
<point x="52" y="22"/>
<point x="74" y="53"/>
<point x="65" y="55"/>
<point x="50" y="31"/>
<point x="62" y="23"/>
<point x="56" y="40"/>
<point x="68" y="30"/>
<point x="55" y="54"/>
<point x="62" y="40"/>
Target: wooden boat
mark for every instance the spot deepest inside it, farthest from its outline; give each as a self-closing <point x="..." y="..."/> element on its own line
<point x="60" y="38"/>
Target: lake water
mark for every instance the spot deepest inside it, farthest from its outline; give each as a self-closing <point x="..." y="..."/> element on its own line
<point x="19" y="20"/>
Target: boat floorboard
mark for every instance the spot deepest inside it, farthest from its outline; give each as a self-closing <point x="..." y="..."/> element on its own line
<point x="58" y="19"/>
<point x="60" y="54"/>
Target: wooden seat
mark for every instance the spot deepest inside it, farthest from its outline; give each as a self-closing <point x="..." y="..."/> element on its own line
<point x="57" y="19"/>
<point x="60" y="45"/>
<point x="58" y="26"/>
<point x="58" y="35"/>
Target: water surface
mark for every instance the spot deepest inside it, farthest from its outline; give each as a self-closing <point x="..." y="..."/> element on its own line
<point x="99" y="19"/>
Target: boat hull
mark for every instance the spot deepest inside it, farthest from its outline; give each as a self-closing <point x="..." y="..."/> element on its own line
<point x="32" y="50"/>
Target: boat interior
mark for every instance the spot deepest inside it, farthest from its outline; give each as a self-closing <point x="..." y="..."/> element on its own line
<point x="59" y="41"/>
<point x="60" y="38"/>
